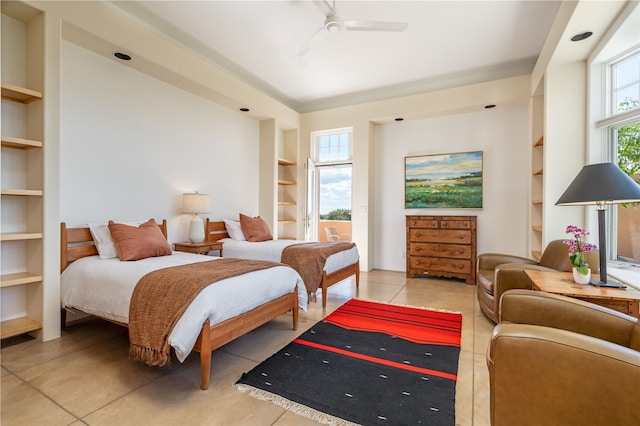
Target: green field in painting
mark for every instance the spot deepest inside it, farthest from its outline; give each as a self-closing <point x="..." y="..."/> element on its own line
<point x="464" y="192"/>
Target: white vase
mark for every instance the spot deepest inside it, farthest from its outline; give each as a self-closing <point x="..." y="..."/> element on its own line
<point x="580" y="278"/>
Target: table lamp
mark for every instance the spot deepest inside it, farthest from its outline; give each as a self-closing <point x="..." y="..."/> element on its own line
<point x="601" y="184"/>
<point x="195" y="204"/>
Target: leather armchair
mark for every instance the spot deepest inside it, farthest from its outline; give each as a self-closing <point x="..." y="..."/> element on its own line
<point x="554" y="360"/>
<point x="497" y="273"/>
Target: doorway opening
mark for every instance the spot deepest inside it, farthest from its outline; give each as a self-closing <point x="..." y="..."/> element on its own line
<point x="329" y="187"/>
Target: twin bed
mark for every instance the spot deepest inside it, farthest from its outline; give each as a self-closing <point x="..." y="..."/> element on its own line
<point x="233" y="305"/>
<point x="217" y="315"/>
<point x="337" y="267"/>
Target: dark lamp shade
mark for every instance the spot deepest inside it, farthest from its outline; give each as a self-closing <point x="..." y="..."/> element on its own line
<point x="603" y="183"/>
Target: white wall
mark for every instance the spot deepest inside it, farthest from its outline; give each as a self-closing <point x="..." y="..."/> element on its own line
<point x="131" y="145"/>
<point x="503" y="136"/>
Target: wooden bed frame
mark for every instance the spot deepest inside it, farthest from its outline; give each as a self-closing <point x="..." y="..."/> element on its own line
<point x="76" y="243"/>
<point x="216" y="230"/>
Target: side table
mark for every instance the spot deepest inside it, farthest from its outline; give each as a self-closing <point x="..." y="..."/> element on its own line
<point x="625" y="300"/>
<point x="199" y="248"/>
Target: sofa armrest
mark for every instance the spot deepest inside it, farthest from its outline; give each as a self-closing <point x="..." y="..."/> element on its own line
<point x="492" y="260"/>
<point x="552" y="310"/>
<point x="539" y="375"/>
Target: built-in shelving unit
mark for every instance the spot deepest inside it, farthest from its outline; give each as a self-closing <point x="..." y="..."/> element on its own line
<point x="22" y="141"/>
<point x="286" y="198"/>
<point x="537" y="177"/>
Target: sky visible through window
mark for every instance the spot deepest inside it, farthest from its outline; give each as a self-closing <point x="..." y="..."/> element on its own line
<point x="627" y="81"/>
<point x="335" y="188"/>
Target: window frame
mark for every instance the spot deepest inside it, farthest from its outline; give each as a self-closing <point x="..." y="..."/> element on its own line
<point x="608" y="126"/>
<point x="315" y="141"/>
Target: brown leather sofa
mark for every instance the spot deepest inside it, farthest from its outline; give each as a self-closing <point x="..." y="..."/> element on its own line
<point x="497" y="273"/>
<point x="554" y="360"/>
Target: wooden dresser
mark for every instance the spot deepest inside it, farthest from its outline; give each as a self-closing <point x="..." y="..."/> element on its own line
<point x="442" y="246"/>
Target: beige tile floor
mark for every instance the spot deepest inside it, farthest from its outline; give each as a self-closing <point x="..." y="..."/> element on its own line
<point x="85" y="377"/>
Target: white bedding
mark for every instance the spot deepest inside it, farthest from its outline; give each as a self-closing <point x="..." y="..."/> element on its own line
<point x="272" y="250"/>
<point x="103" y="287"/>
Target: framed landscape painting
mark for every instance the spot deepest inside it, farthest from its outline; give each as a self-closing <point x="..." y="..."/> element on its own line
<point x="443" y="181"/>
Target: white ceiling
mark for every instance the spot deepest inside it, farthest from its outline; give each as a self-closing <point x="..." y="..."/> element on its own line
<point x="447" y="43"/>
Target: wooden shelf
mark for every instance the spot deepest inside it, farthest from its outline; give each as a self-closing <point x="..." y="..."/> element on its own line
<point x="285" y="182"/>
<point x="539" y="142"/>
<point x="537" y="228"/>
<point x="18" y="236"/>
<point x="536" y="255"/>
<point x="17" y="326"/>
<point x="22" y="192"/>
<point x="19" y="143"/>
<point x="19" y="94"/>
<point x="283" y="162"/>
<point x="537" y="172"/>
<point x="285" y="221"/>
<point x="536" y="201"/>
<point x="286" y="203"/>
<point x="19" y="278"/>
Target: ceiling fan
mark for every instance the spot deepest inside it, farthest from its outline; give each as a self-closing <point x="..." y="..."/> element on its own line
<point x="333" y="23"/>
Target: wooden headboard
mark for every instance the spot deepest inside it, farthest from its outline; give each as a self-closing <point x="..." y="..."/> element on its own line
<point x="76" y="243"/>
<point x="215" y="230"/>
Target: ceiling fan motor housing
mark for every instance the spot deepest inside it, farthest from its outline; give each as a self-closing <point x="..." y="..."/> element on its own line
<point x="333" y="24"/>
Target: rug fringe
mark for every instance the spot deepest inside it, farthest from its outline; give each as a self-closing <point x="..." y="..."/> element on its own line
<point x="294" y="407"/>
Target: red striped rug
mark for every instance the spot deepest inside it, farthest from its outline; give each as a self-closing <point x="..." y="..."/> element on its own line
<point x="367" y="363"/>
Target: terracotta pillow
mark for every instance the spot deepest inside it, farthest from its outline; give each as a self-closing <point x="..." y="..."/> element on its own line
<point x="135" y="243"/>
<point x="255" y="228"/>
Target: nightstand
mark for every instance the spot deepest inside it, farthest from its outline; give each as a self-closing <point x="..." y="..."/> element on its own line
<point x="199" y="248"/>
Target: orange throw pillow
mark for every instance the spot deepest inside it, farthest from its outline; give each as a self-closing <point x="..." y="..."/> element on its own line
<point x="135" y="243"/>
<point x="255" y="228"/>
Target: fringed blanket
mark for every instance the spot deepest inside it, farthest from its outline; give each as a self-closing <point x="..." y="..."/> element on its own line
<point x="161" y="297"/>
<point x="309" y="259"/>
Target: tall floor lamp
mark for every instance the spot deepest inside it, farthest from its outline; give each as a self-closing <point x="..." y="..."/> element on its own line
<point x="601" y="184"/>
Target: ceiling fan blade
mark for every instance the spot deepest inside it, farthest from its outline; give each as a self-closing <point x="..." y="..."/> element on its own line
<point x="325" y="7"/>
<point x="307" y="45"/>
<point x="358" y="25"/>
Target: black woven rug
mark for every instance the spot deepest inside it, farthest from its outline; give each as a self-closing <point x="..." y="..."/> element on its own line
<point x="367" y="363"/>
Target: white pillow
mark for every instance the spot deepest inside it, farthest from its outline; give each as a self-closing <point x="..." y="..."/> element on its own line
<point x="234" y="230"/>
<point x="102" y="238"/>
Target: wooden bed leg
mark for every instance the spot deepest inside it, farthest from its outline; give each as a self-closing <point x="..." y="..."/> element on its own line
<point x="324" y="295"/>
<point x="358" y="277"/>
<point x="205" y="355"/>
<point x="294" y="314"/>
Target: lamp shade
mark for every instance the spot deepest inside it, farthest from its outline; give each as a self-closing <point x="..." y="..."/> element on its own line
<point x="196" y="203"/>
<point x="603" y="183"/>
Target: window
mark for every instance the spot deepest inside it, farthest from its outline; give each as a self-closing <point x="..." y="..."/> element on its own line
<point x="625" y="77"/>
<point x="623" y="131"/>
<point x="332" y="147"/>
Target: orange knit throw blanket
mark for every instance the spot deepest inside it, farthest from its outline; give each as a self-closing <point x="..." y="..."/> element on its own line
<point x="161" y="297"/>
<point x="309" y="259"/>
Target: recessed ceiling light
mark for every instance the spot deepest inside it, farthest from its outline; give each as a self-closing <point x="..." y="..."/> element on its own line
<point x="399" y="119"/>
<point x="489" y="106"/>
<point x="122" y="56"/>
<point x="243" y="109"/>
<point x="581" y="36"/>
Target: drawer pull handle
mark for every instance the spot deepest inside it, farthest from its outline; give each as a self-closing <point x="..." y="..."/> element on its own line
<point x="418" y="249"/>
<point x="418" y="234"/>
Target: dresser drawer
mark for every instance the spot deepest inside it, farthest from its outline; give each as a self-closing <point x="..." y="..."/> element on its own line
<point x="455" y="224"/>
<point x="440" y="236"/>
<point x="440" y="250"/>
<point x="423" y="223"/>
<point x="434" y="264"/>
